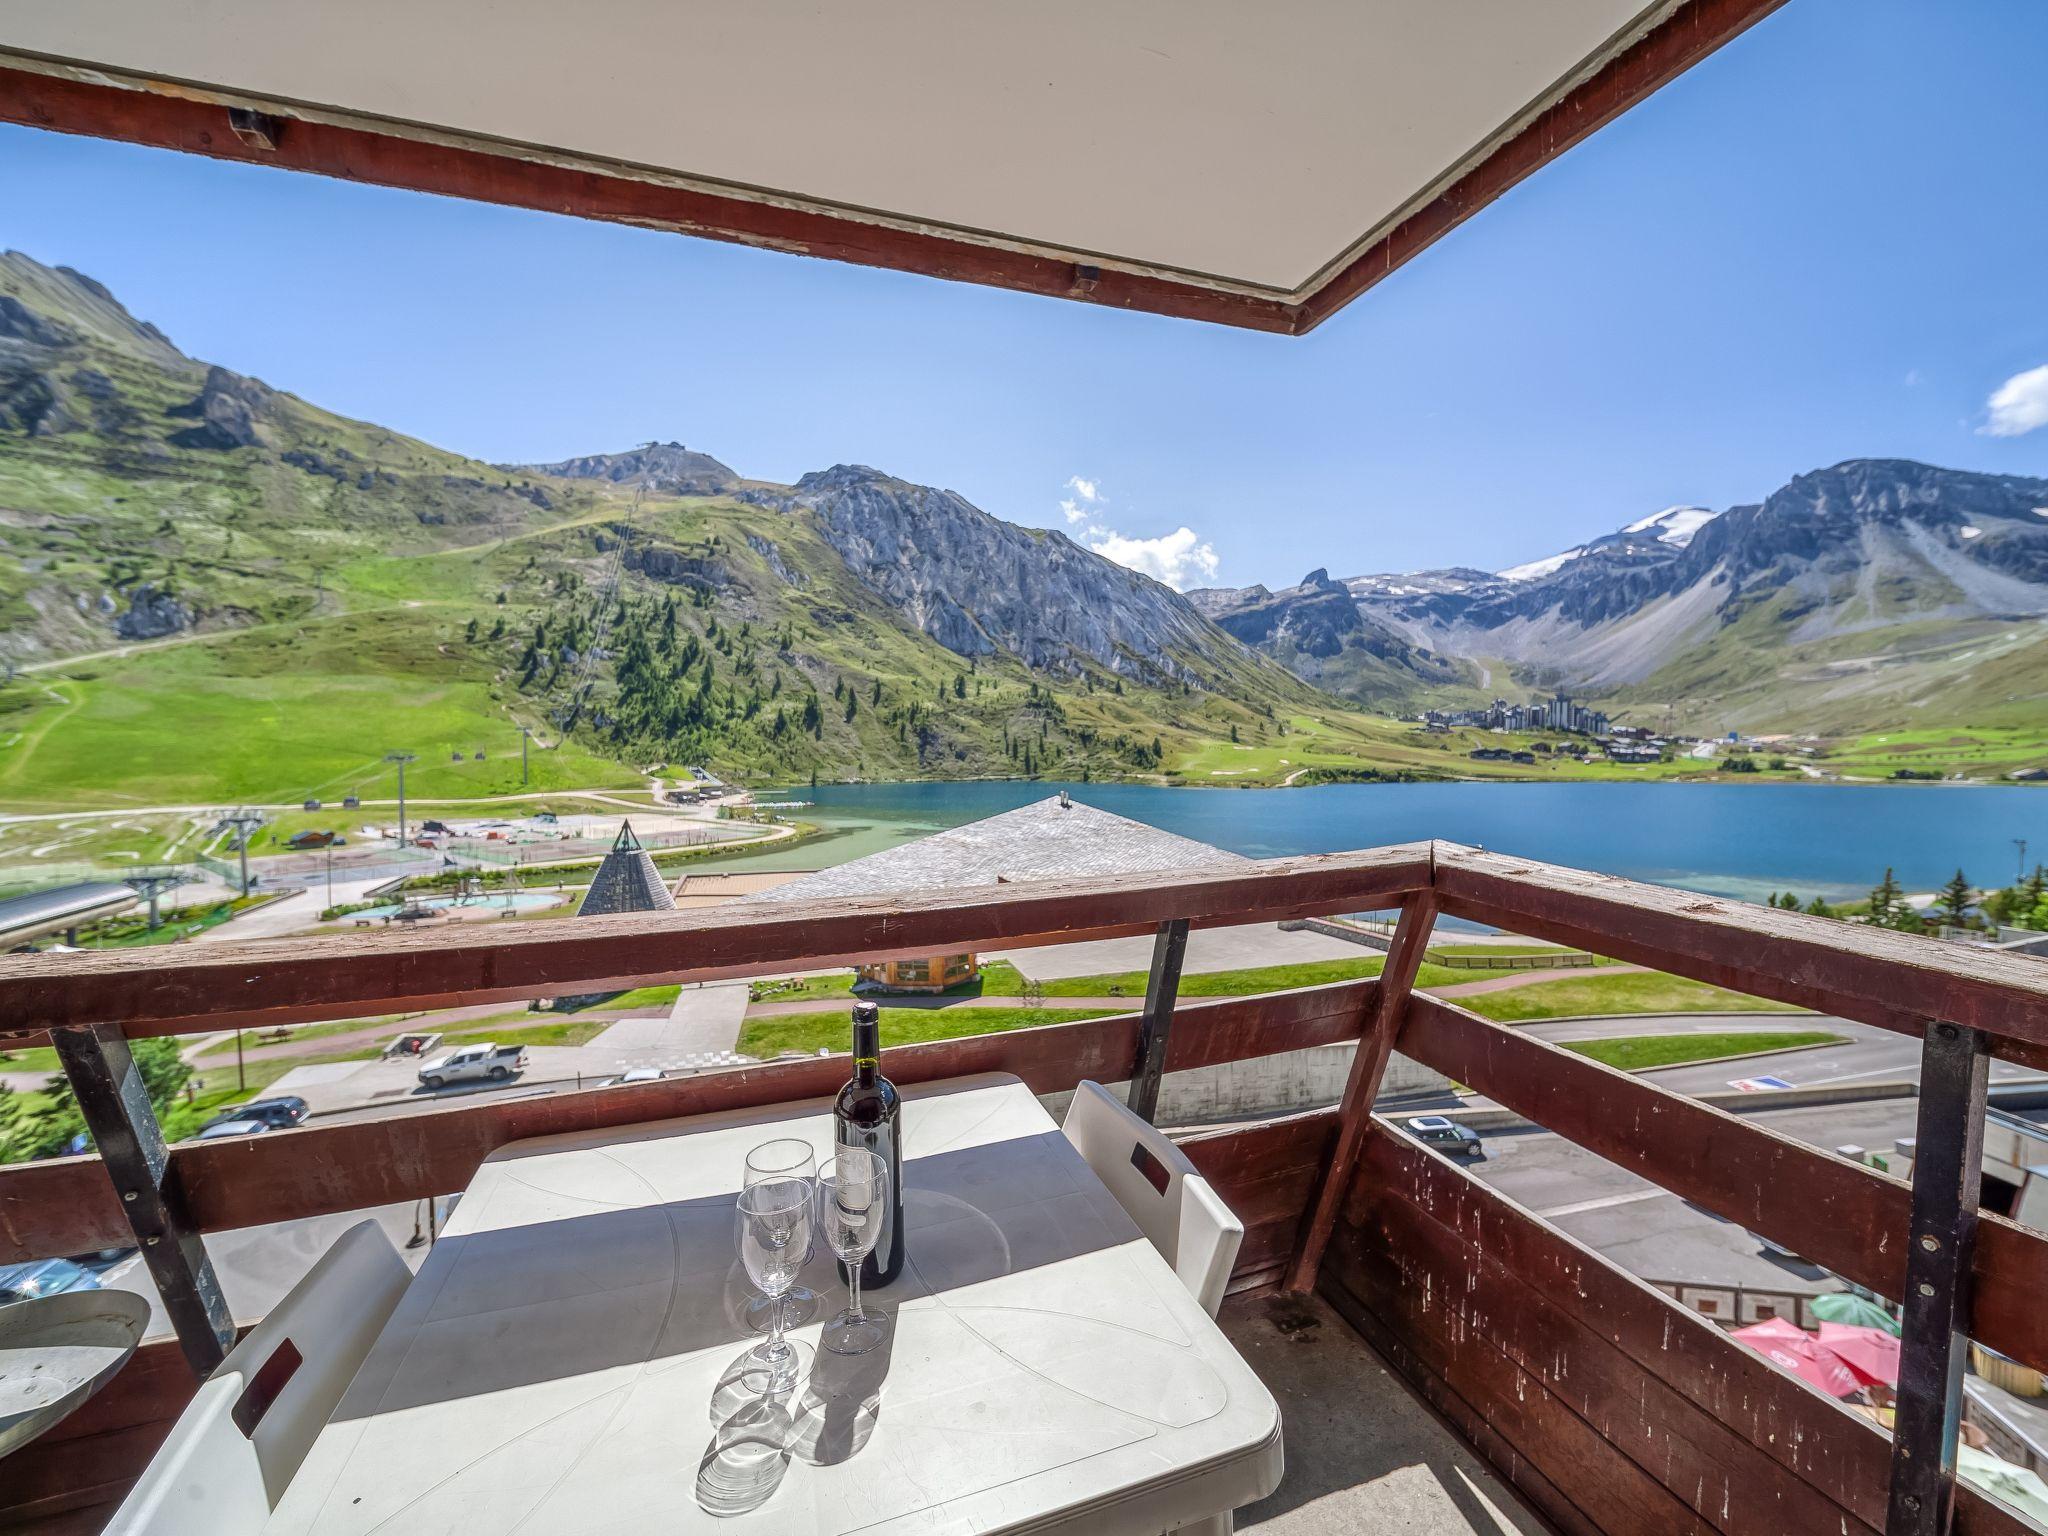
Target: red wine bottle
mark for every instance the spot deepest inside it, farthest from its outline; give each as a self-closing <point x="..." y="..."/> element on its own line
<point x="868" y="1114"/>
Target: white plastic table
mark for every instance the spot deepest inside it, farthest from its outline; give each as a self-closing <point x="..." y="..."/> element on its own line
<point x="557" y="1364"/>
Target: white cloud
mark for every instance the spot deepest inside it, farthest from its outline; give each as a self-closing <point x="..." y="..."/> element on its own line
<point x="1087" y="494"/>
<point x="1179" y="558"/>
<point x="2018" y="405"/>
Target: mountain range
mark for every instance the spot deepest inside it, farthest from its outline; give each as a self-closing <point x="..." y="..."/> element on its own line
<point x="1847" y="600"/>
<point x="213" y="589"/>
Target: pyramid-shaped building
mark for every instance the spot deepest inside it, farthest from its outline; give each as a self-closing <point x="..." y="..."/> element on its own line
<point x="627" y="881"/>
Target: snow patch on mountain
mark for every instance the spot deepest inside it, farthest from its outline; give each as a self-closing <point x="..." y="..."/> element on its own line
<point x="1675" y="525"/>
<point x="1535" y="570"/>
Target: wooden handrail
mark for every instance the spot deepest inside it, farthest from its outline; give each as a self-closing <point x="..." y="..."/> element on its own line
<point x="1896" y="981"/>
<point x="188" y="989"/>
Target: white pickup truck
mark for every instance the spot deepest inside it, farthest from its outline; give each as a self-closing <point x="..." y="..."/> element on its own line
<point x="474" y="1063"/>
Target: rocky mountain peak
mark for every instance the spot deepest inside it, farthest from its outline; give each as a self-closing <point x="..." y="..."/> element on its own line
<point x="666" y="467"/>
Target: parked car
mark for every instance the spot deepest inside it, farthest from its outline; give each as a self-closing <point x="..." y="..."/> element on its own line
<point x="223" y="1128"/>
<point x="1447" y="1136"/>
<point x="44" y="1277"/>
<point x="474" y="1063"/>
<point x="635" y="1075"/>
<point x="280" y="1113"/>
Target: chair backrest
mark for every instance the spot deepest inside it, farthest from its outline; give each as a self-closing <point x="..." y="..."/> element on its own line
<point x="234" y="1449"/>
<point x="1152" y="1179"/>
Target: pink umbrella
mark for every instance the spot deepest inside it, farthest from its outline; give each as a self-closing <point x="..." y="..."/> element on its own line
<point x="1792" y="1348"/>
<point x="1871" y="1353"/>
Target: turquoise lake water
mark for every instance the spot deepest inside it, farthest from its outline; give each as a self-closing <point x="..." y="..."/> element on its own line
<point x="1739" y="840"/>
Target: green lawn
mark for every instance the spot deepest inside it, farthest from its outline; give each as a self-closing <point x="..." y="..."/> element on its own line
<point x="1632" y="1053"/>
<point x="999" y="978"/>
<point x="652" y="999"/>
<point x="569" y="1031"/>
<point x="808" y="1032"/>
<point x="31" y="1058"/>
<point x="277" y="713"/>
<point x="1629" y="992"/>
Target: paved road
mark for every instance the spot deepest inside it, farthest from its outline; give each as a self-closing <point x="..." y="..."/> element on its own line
<point x="1654" y="1234"/>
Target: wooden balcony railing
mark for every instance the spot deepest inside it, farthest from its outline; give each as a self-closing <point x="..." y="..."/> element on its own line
<point x="1611" y="1407"/>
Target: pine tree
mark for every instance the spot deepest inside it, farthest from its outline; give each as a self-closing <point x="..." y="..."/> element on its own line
<point x="852" y="704"/>
<point x="959" y="685"/>
<point x="1954" y="900"/>
<point x="1885" y="900"/>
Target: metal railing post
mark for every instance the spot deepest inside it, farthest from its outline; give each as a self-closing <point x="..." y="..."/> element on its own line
<point x="1162" y="990"/>
<point x="115" y="1103"/>
<point x="1948" y="1174"/>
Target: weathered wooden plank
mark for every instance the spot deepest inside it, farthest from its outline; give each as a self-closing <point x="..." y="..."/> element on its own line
<point x="65" y="1205"/>
<point x="1266" y="1174"/>
<point x="1469" y="1422"/>
<point x="1841" y="1453"/>
<point x="1473" y="1300"/>
<point x="1618" y="1496"/>
<point x="1362" y="1087"/>
<point x="1820" y="1440"/>
<point x="1842" y="1215"/>
<point x="1896" y="981"/>
<point x="188" y="988"/>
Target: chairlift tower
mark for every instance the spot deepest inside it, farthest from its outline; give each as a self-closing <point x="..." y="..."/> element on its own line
<point x="243" y="825"/>
<point x="150" y="884"/>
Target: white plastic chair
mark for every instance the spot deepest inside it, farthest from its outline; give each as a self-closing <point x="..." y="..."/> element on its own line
<point x="1152" y="1179"/>
<point x="1172" y="1204"/>
<point x="236" y="1446"/>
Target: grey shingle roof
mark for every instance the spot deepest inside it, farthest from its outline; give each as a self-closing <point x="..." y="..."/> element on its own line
<point x="1051" y="840"/>
<point x="627" y="880"/>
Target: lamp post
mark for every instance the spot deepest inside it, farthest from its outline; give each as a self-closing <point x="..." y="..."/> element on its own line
<point x="525" y="740"/>
<point x="2021" y="874"/>
<point x="401" y="758"/>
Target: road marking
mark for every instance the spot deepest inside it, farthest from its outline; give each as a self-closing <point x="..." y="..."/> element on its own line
<point x="1603" y="1203"/>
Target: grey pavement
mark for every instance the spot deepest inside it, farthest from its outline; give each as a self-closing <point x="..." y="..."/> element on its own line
<point x="706" y="1017"/>
<point x="1657" y="1235"/>
<point x="1209" y="949"/>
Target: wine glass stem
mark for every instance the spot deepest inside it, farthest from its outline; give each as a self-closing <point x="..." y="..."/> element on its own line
<point x="853" y="1291"/>
<point x="775" y="1329"/>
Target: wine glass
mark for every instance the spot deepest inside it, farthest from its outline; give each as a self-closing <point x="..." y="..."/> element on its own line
<point x="853" y="1194"/>
<point x="774" y="1223"/>
<point x="787" y="1157"/>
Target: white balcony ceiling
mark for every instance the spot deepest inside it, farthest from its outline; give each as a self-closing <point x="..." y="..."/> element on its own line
<point x="1251" y="148"/>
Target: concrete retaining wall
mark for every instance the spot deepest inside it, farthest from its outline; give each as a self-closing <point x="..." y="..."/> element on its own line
<point x="1269" y="1085"/>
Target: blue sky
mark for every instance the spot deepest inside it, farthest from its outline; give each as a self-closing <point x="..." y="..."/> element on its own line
<point x="1827" y="241"/>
